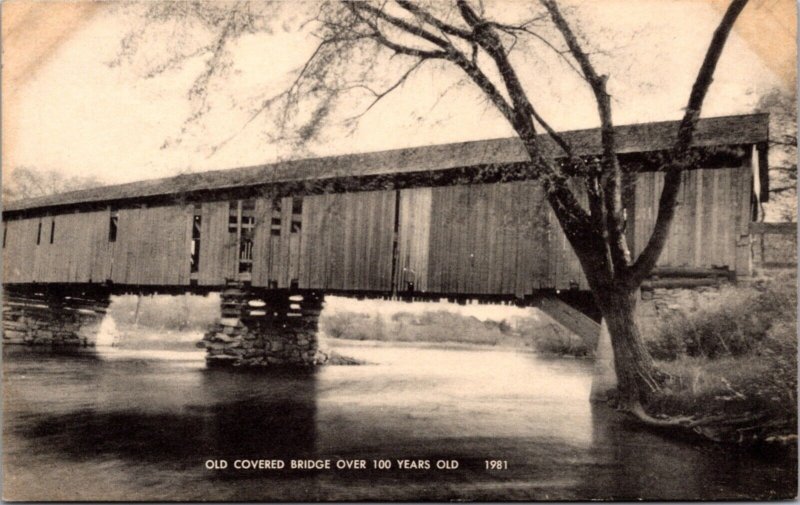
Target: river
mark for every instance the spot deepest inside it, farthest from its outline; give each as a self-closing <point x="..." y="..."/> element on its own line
<point x="116" y="424"/>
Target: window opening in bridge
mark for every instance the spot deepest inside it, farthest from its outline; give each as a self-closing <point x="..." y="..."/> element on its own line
<point x="248" y="213"/>
<point x="233" y="216"/>
<point x="52" y="230"/>
<point x="39" y="234"/>
<point x="5" y="233"/>
<point x="297" y="214"/>
<point x="112" y="227"/>
<point x="247" y="231"/>
<point x="275" y="223"/>
<point x="197" y="222"/>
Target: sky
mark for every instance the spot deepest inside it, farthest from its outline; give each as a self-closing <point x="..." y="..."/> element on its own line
<point x="66" y="109"/>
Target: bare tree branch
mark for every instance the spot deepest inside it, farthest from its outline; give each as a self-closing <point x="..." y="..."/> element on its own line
<point x="399" y="23"/>
<point x="669" y="195"/>
<point x="611" y="174"/>
<point x="380" y="95"/>
<point x="356" y="7"/>
<point x="432" y="20"/>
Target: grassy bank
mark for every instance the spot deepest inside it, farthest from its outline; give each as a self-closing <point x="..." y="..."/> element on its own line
<point x="736" y="360"/>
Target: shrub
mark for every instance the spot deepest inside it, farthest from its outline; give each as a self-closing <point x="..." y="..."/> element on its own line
<point x="562" y="344"/>
<point x="735" y="324"/>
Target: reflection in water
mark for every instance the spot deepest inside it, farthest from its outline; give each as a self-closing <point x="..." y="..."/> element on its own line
<point x="275" y="424"/>
<point x="121" y="424"/>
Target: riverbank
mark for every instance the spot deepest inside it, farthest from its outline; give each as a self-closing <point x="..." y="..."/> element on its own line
<point x="732" y="365"/>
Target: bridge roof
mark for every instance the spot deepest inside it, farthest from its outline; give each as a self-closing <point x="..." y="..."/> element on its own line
<point x="717" y="131"/>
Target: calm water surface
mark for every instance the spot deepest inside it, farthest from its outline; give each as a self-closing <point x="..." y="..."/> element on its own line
<point x="139" y="425"/>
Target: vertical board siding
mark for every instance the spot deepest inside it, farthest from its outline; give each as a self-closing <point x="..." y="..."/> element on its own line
<point x="152" y="247"/>
<point x="261" y="242"/>
<point x="217" y="246"/>
<point x="742" y="198"/>
<point x="703" y="231"/>
<point x="277" y="258"/>
<point x="347" y="239"/>
<point x="496" y="239"/>
<point x="18" y="257"/>
<point x="79" y="252"/>
<point x="477" y="239"/>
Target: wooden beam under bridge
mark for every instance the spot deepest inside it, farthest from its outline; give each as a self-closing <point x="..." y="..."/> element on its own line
<point x="571" y="318"/>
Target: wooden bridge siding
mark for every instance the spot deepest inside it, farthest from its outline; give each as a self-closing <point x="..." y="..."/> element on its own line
<point x="261" y="243"/>
<point x="564" y="268"/>
<point x="152" y="246"/>
<point x="17" y="258"/>
<point x="276" y="258"/>
<point x="217" y="249"/>
<point x="314" y="262"/>
<point x="413" y="238"/>
<point x="79" y="252"/>
<point x="490" y="239"/>
<point x="704" y="232"/>
<point x="742" y="198"/>
<point x="348" y="241"/>
<point x="496" y="239"/>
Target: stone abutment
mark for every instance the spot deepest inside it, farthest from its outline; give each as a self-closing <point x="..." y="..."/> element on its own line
<point x="265" y="328"/>
<point x="45" y="316"/>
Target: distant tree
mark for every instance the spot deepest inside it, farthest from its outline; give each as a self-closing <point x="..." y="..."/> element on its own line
<point x="28" y="182"/>
<point x="782" y="107"/>
<point x="374" y="48"/>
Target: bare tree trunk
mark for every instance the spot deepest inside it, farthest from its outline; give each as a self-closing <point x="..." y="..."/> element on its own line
<point x="637" y="377"/>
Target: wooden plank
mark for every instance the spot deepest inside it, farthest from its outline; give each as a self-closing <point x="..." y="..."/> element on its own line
<point x="386" y="250"/>
<point x="433" y="280"/>
<point x="709" y="236"/>
<point x="689" y="272"/>
<point x="359" y="207"/>
<point x="773" y="228"/>
<point x="368" y="272"/>
<point x="408" y="247"/>
<point x="483" y="248"/>
<point x="492" y="234"/>
<point x="282" y="273"/>
<point x="214" y="238"/>
<point x="744" y="260"/>
<point x="304" y="272"/>
<point x="101" y="268"/>
<point x="572" y="319"/>
<point x="521" y="228"/>
<point x="696" y="183"/>
<point x="260" y="272"/>
<point x="726" y="221"/>
<point x="714" y="221"/>
<point x="682" y="235"/>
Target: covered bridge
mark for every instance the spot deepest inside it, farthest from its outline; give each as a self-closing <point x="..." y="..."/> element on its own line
<point x="453" y="220"/>
<point x="461" y="221"/>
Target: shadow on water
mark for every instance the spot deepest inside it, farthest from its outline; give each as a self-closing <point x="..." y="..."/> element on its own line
<point x="25" y="353"/>
<point x="276" y="422"/>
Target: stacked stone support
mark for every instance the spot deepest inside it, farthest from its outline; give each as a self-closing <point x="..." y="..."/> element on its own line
<point x="659" y="306"/>
<point x="265" y="328"/>
<point x="43" y="316"/>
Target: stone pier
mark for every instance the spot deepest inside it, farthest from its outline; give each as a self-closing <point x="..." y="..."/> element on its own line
<point x="49" y="316"/>
<point x="265" y="328"/>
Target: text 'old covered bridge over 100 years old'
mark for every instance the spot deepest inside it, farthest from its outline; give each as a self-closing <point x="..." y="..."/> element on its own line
<point x="460" y="221"/>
